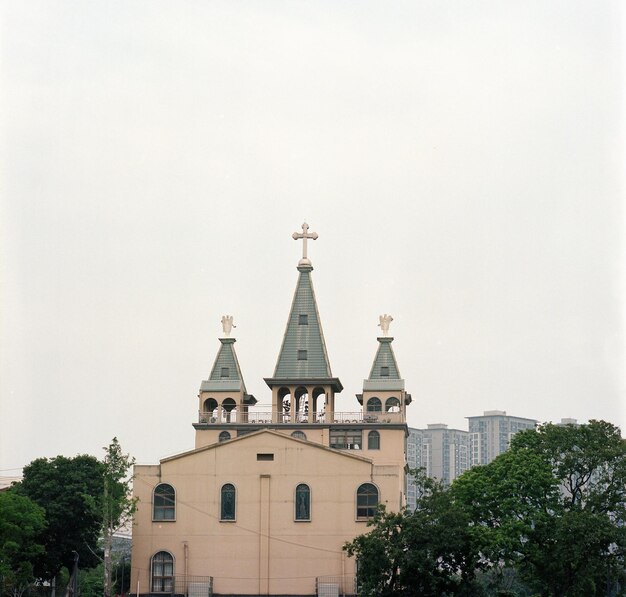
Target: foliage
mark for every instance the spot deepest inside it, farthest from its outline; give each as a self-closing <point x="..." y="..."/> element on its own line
<point x="554" y="506"/>
<point x="21" y="523"/>
<point x="70" y="492"/>
<point x="118" y="506"/>
<point x="429" y="552"/>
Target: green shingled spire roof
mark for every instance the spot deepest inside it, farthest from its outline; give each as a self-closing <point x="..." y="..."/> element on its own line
<point x="385" y="366"/>
<point x="303" y="353"/>
<point x="226" y="372"/>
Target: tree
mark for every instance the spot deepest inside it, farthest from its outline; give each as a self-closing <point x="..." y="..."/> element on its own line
<point x="554" y="505"/>
<point x="428" y="552"/>
<point x="70" y="492"/>
<point x="118" y="506"/>
<point x="21" y="523"/>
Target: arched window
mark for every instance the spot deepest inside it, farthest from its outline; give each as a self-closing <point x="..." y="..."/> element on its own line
<point x="299" y="435"/>
<point x="227" y="507"/>
<point x="392" y="405"/>
<point x="303" y="502"/>
<point x="224" y="435"/>
<point x="164" y="502"/>
<point x="366" y="501"/>
<point x="374" y="405"/>
<point x="162" y="570"/>
<point x="373" y="440"/>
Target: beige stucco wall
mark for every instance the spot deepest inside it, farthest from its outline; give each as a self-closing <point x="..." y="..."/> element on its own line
<point x="264" y="551"/>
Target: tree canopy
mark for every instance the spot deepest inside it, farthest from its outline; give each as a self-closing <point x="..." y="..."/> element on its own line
<point x="552" y="508"/>
<point x="21" y="524"/>
<point x="69" y="490"/>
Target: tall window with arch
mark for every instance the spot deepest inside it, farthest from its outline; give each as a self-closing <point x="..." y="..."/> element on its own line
<point x="303" y="502"/>
<point x="162" y="572"/>
<point x="373" y="440"/>
<point x="228" y="497"/>
<point x="366" y="501"/>
<point x="164" y="502"/>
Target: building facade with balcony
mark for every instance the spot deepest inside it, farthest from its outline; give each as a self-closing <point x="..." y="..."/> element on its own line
<point x="269" y="495"/>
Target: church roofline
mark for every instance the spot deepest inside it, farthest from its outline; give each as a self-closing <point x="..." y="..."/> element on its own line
<point x="257" y="433"/>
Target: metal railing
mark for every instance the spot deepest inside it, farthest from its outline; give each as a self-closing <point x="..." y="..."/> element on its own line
<point x="192" y="586"/>
<point x="221" y="416"/>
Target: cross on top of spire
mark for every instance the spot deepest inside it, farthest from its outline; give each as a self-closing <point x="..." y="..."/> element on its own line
<point x="304" y="235"/>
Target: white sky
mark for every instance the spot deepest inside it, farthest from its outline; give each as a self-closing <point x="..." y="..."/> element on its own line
<point x="461" y="161"/>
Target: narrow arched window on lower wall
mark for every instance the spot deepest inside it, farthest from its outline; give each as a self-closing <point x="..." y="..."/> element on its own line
<point x="162" y="572"/>
<point x="228" y="497"/>
<point x="366" y="501"/>
<point x="303" y="502"/>
<point x="164" y="502"/>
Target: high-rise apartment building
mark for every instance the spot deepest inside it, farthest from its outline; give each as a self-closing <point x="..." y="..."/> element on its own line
<point x="491" y="434"/>
<point x="443" y="453"/>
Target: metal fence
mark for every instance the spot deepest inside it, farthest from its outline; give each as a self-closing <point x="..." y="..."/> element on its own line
<point x="192" y="586"/>
<point x="336" y="586"/>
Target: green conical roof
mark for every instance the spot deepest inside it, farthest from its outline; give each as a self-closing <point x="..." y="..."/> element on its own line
<point x="385" y="359"/>
<point x="303" y="352"/>
<point x="384" y="374"/>
<point x="226" y="373"/>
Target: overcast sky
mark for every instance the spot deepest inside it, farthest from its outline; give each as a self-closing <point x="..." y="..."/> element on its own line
<point x="462" y="163"/>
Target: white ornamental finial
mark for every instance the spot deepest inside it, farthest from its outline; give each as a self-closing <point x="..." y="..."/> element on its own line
<point x="227" y="324"/>
<point x="304" y="235"/>
<point x="383" y="323"/>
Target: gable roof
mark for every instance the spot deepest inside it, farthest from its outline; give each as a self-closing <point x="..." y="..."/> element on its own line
<point x="258" y="433"/>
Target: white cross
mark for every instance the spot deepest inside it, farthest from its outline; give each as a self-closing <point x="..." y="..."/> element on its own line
<point x="304" y="235"/>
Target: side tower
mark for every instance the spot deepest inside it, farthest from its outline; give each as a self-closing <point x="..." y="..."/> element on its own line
<point x="223" y="397"/>
<point x="303" y="387"/>
<point x="384" y="397"/>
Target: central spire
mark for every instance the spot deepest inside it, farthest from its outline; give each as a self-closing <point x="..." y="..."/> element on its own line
<point x="303" y="357"/>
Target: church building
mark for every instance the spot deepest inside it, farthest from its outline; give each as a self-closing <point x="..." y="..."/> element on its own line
<point x="269" y="495"/>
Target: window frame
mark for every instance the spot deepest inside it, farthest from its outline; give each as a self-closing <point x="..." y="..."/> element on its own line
<point x="223" y="488"/>
<point x="163" y="578"/>
<point x="224" y="436"/>
<point x="163" y="508"/>
<point x="346" y="434"/>
<point x="375" y="401"/>
<point x="298" y="434"/>
<point x="299" y="487"/>
<point x="303" y="319"/>
<point x="367" y="507"/>
<point x="395" y="403"/>
<point x="374" y="434"/>
<point x="303" y="354"/>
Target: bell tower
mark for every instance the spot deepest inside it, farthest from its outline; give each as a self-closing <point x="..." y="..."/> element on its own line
<point x="303" y="387"/>
<point x="384" y="397"/>
<point x="223" y="397"/>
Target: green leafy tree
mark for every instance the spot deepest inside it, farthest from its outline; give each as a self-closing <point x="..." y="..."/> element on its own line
<point x="21" y="523"/>
<point x="118" y="506"/>
<point x="428" y="552"/>
<point x="70" y="492"/>
<point x="554" y="506"/>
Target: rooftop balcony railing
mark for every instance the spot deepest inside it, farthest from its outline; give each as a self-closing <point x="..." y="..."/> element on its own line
<point x="269" y="417"/>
